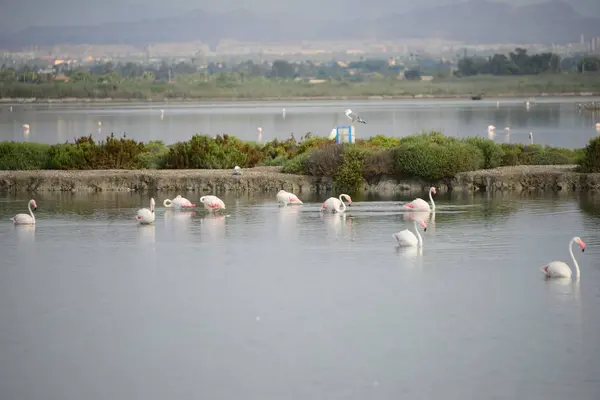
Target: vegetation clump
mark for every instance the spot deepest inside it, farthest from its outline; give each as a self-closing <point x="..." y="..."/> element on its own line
<point x="429" y="156"/>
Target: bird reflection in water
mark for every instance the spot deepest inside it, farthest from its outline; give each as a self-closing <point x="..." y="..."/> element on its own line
<point x="25" y="233"/>
<point x="146" y="234"/>
<point x="213" y="225"/>
<point x="337" y="223"/>
<point x="179" y="220"/>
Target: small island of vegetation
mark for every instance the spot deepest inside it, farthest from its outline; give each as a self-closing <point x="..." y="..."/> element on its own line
<point x="515" y="74"/>
<point x="430" y="156"/>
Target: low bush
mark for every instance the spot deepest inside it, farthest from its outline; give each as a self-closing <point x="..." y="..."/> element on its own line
<point x="24" y="156"/>
<point x="435" y="160"/>
<point x="590" y="157"/>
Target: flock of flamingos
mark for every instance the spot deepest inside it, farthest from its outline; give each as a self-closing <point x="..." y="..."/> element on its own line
<point x="421" y="210"/>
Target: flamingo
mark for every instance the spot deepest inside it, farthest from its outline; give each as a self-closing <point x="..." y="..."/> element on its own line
<point x="287" y="198"/>
<point x="178" y="202"/>
<point x="406" y="238"/>
<point x="147" y="216"/>
<point x="212" y="203"/>
<point x="598" y="127"/>
<point x="26" y="219"/>
<point x="237" y="170"/>
<point x="420" y="204"/>
<point x="559" y="269"/>
<point x="336" y="205"/>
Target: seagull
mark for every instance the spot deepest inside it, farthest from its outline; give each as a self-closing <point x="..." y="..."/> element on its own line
<point x="353" y="117"/>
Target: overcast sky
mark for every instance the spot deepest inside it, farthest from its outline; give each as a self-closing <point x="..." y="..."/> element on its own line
<point x="18" y="14"/>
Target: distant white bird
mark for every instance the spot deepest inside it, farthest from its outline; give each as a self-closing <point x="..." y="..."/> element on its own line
<point x="531" y="137"/>
<point x="598" y="127"/>
<point x="237" y="170"/>
<point x="259" y="131"/>
<point x="25" y="128"/>
<point x="283" y="113"/>
<point x="162" y="114"/>
<point x="354" y="117"/>
<point x="10" y="108"/>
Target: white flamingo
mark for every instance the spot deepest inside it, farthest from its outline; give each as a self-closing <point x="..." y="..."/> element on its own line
<point x="26" y="219"/>
<point x="419" y="204"/>
<point x="178" y="202"/>
<point x="406" y="238"/>
<point x="598" y="127"/>
<point x="212" y="203"/>
<point x="558" y="269"/>
<point x="287" y="198"/>
<point x="147" y="216"/>
<point x="336" y="204"/>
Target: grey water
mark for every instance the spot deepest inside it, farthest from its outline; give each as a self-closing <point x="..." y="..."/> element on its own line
<point x="553" y="121"/>
<point x="268" y="302"/>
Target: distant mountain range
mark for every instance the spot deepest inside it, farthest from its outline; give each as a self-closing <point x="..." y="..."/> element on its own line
<point x="474" y="22"/>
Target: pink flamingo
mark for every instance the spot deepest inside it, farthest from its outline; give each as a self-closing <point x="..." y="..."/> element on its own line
<point x="420" y="204"/>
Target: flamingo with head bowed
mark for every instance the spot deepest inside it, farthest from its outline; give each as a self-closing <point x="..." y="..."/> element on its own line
<point x="26" y="219"/>
<point x="147" y="216"/>
<point x="178" y="202"/>
<point x="287" y="198"/>
<point x="559" y="269"/>
<point x="419" y="204"/>
<point x="406" y="238"/>
<point x="336" y="205"/>
<point x="212" y="203"/>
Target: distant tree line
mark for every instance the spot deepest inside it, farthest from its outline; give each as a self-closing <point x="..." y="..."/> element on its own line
<point x="518" y="62"/>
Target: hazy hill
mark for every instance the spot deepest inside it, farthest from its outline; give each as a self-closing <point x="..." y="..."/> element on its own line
<point x="473" y="22"/>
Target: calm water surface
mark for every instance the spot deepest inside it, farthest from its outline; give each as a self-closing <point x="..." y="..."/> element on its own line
<point x="553" y="121"/>
<point x="285" y="303"/>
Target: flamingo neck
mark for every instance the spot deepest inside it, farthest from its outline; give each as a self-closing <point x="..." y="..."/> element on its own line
<point x="573" y="258"/>
<point x="343" y="206"/>
<point x="418" y="234"/>
<point x="30" y="212"/>
<point x="431" y="199"/>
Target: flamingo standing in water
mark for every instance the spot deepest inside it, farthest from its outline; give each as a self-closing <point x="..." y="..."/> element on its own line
<point x="406" y="238"/>
<point x="420" y="204"/>
<point x="287" y="198"/>
<point x="336" y="205"/>
<point x="559" y="269"/>
<point x="26" y="219"/>
<point x="178" y="202"/>
<point x="212" y="203"/>
<point x="147" y="216"/>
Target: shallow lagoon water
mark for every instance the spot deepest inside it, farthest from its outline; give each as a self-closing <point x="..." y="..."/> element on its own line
<point x="553" y="121"/>
<point x="268" y="302"/>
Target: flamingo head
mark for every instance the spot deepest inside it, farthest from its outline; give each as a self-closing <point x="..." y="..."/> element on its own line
<point x="433" y="191"/>
<point x="349" y="200"/>
<point x="348" y="112"/>
<point x="152" y="204"/>
<point x="580" y="242"/>
<point x="424" y="225"/>
<point x="34" y="204"/>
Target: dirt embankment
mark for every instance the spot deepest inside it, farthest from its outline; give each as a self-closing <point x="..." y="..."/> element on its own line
<point x="269" y="179"/>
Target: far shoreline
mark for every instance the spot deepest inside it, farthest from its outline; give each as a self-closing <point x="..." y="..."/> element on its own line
<point x="185" y="100"/>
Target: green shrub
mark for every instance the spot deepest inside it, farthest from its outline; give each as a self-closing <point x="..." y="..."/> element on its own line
<point x="23" y="156"/>
<point x="590" y="162"/>
<point x="492" y="153"/>
<point x="154" y="156"/>
<point x="204" y="152"/>
<point x="434" y="161"/>
<point x="348" y="176"/>
<point x="296" y="165"/>
<point x="324" y="161"/>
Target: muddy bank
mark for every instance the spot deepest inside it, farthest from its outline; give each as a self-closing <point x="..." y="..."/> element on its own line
<point x="269" y="179"/>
